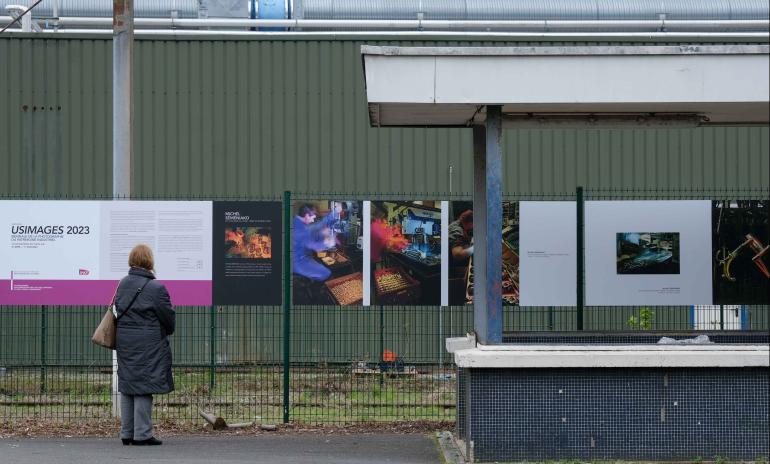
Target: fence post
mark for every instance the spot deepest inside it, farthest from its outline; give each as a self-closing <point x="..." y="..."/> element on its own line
<point x="382" y="345"/>
<point x="550" y="318"/>
<point x="580" y="256"/>
<point x="43" y="347"/>
<point x="286" y="302"/>
<point x="441" y="336"/>
<point x="212" y="347"/>
<point x="721" y="317"/>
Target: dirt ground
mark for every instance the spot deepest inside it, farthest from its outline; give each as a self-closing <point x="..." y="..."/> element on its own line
<point x="46" y="428"/>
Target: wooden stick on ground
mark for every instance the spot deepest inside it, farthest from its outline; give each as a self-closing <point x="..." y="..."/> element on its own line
<point x="216" y="422"/>
<point x="219" y="424"/>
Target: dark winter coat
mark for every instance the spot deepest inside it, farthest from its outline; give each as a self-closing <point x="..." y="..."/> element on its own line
<point x="144" y="354"/>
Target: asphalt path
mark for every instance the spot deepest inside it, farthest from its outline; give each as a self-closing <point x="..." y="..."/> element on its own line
<point x="262" y="449"/>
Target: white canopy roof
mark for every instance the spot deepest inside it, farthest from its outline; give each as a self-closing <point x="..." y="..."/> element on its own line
<point x="572" y="86"/>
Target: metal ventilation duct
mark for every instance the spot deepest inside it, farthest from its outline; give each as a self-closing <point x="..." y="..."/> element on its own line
<point x="532" y="9"/>
<point x="103" y="8"/>
<point x="224" y="8"/>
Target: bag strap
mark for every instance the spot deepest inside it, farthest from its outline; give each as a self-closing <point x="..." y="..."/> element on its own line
<point x="115" y="294"/>
<point x="136" y="295"/>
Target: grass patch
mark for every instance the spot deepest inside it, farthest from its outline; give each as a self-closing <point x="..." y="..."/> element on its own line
<point x="318" y="395"/>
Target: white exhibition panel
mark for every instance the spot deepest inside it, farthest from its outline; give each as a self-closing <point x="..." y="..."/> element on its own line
<point x="605" y="219"/>
<point x="75" y="252"/>
<point x="443" y="86"/>
<point x="179" y="233"/>
<point x="50" y="240"/>
<point x="548" y="253"/>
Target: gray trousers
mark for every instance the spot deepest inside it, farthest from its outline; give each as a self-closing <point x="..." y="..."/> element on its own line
<point x="135" y="416"/>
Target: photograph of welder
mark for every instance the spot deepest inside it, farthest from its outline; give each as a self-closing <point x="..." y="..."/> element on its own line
<point x="461" y="248"/>
<point x="741" y="251"/>
<point x="647" y="252"/>
<point x="248" y="242"/>
<point x="405" y="253"/>
<point x="327" y="257"/>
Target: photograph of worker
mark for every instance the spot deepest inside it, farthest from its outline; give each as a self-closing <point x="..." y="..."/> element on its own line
<point x="327" y="255"/>
<point x="647" y="252"/>
<point x="461" y="248"/>
<point x="741" y="251"/>
<point x="405" y="251"/>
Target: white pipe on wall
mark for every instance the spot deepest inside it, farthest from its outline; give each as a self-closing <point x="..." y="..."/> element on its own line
<point x="695" y="36"/>
<point x="661" y="25"/>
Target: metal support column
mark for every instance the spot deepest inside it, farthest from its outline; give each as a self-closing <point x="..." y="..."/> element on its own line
<point x="488" y="228"/>
<point x="382" y="345"/>
<point x="212" y="348"/>
<point x="122" y="124"/>
<point x="252" y="12"/>
<point x="43" y="347"/>
<point x="286" y="304"/>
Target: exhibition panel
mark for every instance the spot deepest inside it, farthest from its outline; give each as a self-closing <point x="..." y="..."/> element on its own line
<point x="327" y="252"/>
<point x="548" y="253"/>
<point x="247" y="252"/>
<point x="405" y="250"/>
<point x="648" y="253"/>
<point x="361" y="253"/>
<point x="75" y="252"/>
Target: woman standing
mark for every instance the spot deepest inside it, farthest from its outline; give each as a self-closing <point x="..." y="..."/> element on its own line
<point x="145" y="320"/>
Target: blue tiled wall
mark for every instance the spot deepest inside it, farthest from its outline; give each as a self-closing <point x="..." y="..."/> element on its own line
<point x="649" y="414"/>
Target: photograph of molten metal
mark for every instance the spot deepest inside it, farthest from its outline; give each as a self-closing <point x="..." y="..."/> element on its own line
<point x="248" y="242"/>
<point x="406" y="252"/>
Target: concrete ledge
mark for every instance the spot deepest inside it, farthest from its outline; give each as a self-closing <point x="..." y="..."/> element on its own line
<point x="460" y="343"/>
<point x="571" y="356"/>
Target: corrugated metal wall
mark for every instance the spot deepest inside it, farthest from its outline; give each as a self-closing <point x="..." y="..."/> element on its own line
<point x="216" y="117"/>
<point x="255" y="117"/>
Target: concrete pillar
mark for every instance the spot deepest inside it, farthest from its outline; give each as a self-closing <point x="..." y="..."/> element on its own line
<point x="122" y="124"/>
<point x="122" y="96"/>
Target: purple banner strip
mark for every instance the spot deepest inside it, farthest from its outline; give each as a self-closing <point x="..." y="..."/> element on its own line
<point x="94" y="292"/>
<point x="189" y="292"/>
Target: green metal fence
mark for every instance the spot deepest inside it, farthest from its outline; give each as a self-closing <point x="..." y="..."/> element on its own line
<point x="245" y="363"/>
<point x="50" y="370"/>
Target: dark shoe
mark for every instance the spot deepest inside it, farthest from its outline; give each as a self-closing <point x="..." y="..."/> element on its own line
<point x="127" y="441"/>
<point x="148" y="442"/>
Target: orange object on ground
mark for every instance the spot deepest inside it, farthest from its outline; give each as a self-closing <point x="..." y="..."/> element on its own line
<point x="389" y="356"/>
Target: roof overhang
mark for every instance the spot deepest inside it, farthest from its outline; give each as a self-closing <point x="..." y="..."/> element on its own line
<point x="592" y="86"/>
